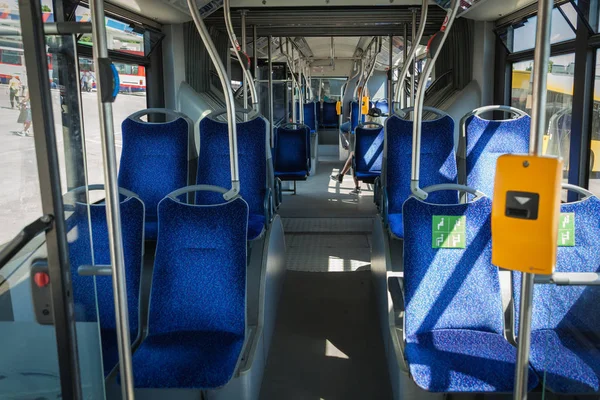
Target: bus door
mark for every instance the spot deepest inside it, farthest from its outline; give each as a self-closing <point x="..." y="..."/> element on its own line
<point x="48" y="303"/>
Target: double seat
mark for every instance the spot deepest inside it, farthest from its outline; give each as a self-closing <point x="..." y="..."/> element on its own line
<point x="454" y="338"/>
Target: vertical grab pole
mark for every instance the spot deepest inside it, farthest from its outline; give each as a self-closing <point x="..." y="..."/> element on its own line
<point x="293" y="68"/>
<point x="229" y="101"/>
<point x="113" y="213"/>
<point x="419" y="99"/>
<point x="390" y="97"/>
<point x="255" y="58"/>
<point x="413" y="65"/>
<point x="244" y="64"/>
<point x="245" y="80"/>
<point x="271" y="119"/>
<point x="302" y="91"/>
<point x="402" y="101"/>
<point x="537" y="130"/>
<point x="413" y="51"/>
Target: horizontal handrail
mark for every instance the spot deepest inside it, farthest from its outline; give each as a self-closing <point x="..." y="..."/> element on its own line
<point x="28" y="233"/>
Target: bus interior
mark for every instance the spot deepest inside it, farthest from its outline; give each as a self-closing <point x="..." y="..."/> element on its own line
<point x="263" y="199"/>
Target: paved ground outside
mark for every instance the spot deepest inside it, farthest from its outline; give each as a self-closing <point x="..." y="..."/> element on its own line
<point x="20" y="201"/>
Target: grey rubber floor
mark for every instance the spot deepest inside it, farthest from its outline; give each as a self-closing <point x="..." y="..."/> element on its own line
<point x="327" y="344"/>
<point x="320" y="197"/>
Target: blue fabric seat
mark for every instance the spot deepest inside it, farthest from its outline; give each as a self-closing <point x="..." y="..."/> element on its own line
<point x="438" y="164"/>
<point x="368" y="152"/>
<point x="454" y="321"/>
<point x="155" y="160"/>
<point x="565" y="340"/>
<point x="383" y="106"/>
<point x="329" y="115"/>
<point x="318" y="112"/>
<point x="486" y="140"/>
<point x="310" y="116"/>
<point x="84" y="294"/>
<point x="253" y="152"/>
<point x="197" y="323"/>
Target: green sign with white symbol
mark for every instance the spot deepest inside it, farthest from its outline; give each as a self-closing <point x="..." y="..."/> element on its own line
<point x="566" y="230"/>
<point x="448" y="232"/>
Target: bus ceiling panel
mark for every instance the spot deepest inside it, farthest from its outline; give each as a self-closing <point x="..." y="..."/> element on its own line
<point x="329" y="21"/>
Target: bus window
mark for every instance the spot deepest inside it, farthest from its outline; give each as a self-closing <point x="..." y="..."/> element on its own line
<point x="131" y="98"/>
<point x="594" y="183"/>
<point x="559" y="102"/>
<point x="12" y="57"/>
<point x="120" y="35"/>
<point x="524" y="33"/>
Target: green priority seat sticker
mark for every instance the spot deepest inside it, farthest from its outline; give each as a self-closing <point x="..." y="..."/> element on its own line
<point x="448" y="232"/>
<point x="566" y="230"/>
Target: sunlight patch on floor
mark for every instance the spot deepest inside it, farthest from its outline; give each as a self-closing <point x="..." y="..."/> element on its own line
<point x="332" y="351"/>
<point x="337" y="264"/>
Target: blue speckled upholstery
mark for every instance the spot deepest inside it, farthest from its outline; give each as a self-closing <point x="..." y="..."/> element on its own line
<point x="154" y="162"/>
<point x="486" y="141"/>
<point x="368" y="152"/>
<point x="354" y="115"/>
<point x="197" y="319"/>
<point x="438" y="163"/>
<point x="310" y="116"/>
<point x="318" y="111"/>
<point x="84" y="295"/>
<point x="454" y="319"/>
<point x="213" y="164"/>
<point x="329" y="116"/>
<point x="383" y="106"/>
<point x="291" y="159"/>
<point x="565" y="338"/>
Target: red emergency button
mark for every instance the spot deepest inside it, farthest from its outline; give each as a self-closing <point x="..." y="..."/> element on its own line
<point x="41" y="279"/>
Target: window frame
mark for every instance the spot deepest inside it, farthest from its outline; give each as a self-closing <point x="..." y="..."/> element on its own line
<point x="152" y="61"/>
<point x="584" y="46"/>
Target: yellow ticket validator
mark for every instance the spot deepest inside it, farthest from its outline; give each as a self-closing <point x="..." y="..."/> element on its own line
<point x="338" y="108"/>
<point x="365" y="105"/>
<point x="525" y="213"/>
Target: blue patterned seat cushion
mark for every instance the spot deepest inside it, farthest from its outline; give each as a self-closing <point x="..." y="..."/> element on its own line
<point x="197" y="316"/>
<point x="438" y="160"/>
<point x="487" y="140"/>
<point x="396" y="224"/>
<point x="256" y="225"/>
<point x="154" y="162"/>
<point x="368" y="152"/>
<point x="571" y="365"/>
<point x="213" y="162"/>
<point x="291" y="175"/>
<point x="187" y="359"/>
<point x="460" y="360"/>
<point x="565" y="328"/>
<point x="93" y="298"/>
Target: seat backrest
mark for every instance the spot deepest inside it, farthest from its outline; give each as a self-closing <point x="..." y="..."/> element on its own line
<point x="450" y="288"/>
<point x="199" y="281"/>
<point x="353" y="115"/>
<point x="438" y="160"/>
<point x="368" y="148"/>
<point x="157" y="158"/>
<point x="383" y="106"/>
<point x="253" y="156"/>
<point x="318" y="111"/>
<point x="85" y="296"/>
<point x="291" y="153"/>
<point x="569" y="308"/>
<point x="310" y="115"/>
<point x="329" y="114"/>
<point x="485" y="141"/>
